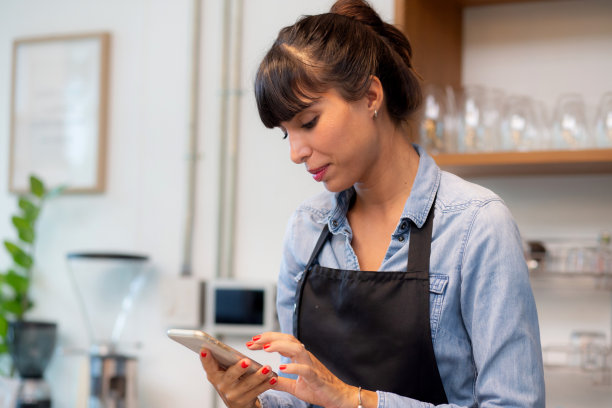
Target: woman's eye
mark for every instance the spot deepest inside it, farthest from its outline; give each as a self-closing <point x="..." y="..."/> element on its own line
<point x="311" y="124"/>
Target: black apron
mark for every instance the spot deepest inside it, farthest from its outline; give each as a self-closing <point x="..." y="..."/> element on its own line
<point x="371" y="329"/>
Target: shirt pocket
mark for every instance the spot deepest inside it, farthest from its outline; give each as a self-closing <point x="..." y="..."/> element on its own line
<point x="437" y="289"/>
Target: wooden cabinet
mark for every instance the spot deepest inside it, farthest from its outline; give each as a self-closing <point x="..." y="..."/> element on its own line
<point x="435" y="30"/>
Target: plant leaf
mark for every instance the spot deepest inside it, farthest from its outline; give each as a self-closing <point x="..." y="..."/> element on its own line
<point x="19" y="256"/>
<point x="3" y="327"/>
<point x="30" y="210"/>
<point x="19" y="283"/>
<point x="12" y="306"/>
<point x="24" y="229"/>
<point x="27" y="235"/>
<point x="19" y="222"/>
<point x="37" y="187"/>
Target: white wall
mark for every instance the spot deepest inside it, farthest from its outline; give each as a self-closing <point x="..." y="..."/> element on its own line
<point x="142" y="209"/>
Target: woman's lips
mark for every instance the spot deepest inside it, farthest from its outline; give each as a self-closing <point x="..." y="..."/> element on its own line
<point x="318" y="173"/>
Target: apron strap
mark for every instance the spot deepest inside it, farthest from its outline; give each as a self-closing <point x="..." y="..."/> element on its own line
<point x="419" y="245"/>
<point x="325" y="233"/>
<point x="321" y="241"/>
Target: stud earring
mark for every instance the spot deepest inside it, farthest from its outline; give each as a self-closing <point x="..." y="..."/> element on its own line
<point x="375" y="113"/>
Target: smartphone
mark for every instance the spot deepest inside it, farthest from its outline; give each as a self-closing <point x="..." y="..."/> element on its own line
<point x="225" y="355"/>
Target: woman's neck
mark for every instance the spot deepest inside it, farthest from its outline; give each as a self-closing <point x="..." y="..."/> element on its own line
<point x="388" y="187"/>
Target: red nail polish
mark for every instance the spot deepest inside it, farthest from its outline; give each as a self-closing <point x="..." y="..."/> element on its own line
<point x="266" y="345"/>
<point x="203" y="354"/>
<point x="244" y="364"/>
<point x="272" y="381"/>
<point x="255" y="338"/>
<point x="249" y="343"/>
<point x="282" y="367"/>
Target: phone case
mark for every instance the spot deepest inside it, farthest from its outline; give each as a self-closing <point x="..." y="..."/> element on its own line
<point x="225" y="355"/>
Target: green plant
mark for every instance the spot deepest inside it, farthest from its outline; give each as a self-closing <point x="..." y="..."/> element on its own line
<point x="15" y="282"/>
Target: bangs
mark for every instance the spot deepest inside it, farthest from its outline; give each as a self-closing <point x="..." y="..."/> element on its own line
<point x="285" y="85"/>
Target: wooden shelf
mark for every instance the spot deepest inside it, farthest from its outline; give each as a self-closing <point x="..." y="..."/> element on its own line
<point x="593" y="161"/>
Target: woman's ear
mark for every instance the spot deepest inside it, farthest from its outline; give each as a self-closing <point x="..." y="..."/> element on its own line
<point x="375" y="95"/>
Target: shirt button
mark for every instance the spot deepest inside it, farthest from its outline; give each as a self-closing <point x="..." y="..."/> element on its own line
<point x="401" y="238"/>
<point x="294" y="307"/>
<point x="335" y="223"/>
<point x="404" y="225"/>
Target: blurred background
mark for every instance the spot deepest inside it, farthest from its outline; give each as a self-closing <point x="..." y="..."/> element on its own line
<point x="195" y="182"/>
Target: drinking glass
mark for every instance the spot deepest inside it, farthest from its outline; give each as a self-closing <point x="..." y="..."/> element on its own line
<point x="480" y="117"/>
<point x="521" y="128"/>
<point x="603" y="121"/>
<point x="570" y="128"/>
<point x="436" y="125"/>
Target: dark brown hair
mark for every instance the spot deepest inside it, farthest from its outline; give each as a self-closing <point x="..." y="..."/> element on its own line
<point x="341" y="49"/>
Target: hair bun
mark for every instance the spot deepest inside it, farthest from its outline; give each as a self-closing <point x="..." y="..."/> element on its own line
<point x="358" y="10"/>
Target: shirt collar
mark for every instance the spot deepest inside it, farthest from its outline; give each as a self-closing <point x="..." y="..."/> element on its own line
<point x="424" y="189"/>
<point x="417" y="206"/>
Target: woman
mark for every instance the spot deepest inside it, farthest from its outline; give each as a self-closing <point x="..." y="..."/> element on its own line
<point x="401" y="285"/>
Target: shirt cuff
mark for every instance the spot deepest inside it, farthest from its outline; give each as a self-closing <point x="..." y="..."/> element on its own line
<point x="390" y="400"/>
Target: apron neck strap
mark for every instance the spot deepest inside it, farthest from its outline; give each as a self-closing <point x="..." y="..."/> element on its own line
<point x="320" y="242"/>
<point x="419" y="247"/>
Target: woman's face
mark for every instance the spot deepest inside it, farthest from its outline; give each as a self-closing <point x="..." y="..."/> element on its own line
<point x="335" y="139"/>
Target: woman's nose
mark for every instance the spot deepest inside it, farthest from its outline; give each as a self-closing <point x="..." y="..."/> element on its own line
<point x="300" y="150"/>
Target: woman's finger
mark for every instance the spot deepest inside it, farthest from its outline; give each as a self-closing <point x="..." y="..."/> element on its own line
<point x="209" y="364"/>
<point x="284" y="344"/>
<point x="248" y="387"/>
<point x="259" y="341"/>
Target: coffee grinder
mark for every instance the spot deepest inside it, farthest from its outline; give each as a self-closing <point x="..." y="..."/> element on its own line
<point x="31" y="345"/>
<point x="106" y="286"/>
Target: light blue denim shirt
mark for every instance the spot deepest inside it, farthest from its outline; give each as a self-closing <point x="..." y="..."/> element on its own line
<point x="483" y="317"/>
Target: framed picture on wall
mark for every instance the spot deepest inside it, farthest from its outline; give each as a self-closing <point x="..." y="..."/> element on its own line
<point x="59" y="111"/>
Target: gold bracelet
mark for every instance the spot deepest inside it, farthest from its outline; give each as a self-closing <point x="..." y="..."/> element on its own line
<point x="359" y="396"/>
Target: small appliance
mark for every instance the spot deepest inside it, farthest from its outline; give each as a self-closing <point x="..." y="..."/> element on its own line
<point x="107" y="285"/>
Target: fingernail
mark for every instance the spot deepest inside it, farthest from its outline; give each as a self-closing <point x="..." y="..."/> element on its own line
<point x="265" y="370"/>
<point x="244" y="364"/>
<point x="249" y="343"/>
<point x="203" y="354"/>
<point x="255" y="338"/>
<point x="272" y="381"/>
<point x="266" y="345"/>
<point x="282" y="367"/>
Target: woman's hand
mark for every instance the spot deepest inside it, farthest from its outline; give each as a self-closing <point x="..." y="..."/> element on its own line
<point x="315" y="383"/>
<point x="236" y="389"/>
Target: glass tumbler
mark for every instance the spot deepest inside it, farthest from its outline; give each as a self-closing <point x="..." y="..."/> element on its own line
<point x="479" y="119"/>
<point x="570" y="124"/>
<point x="521" y="128"/>
<point x="433" y="125"/>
